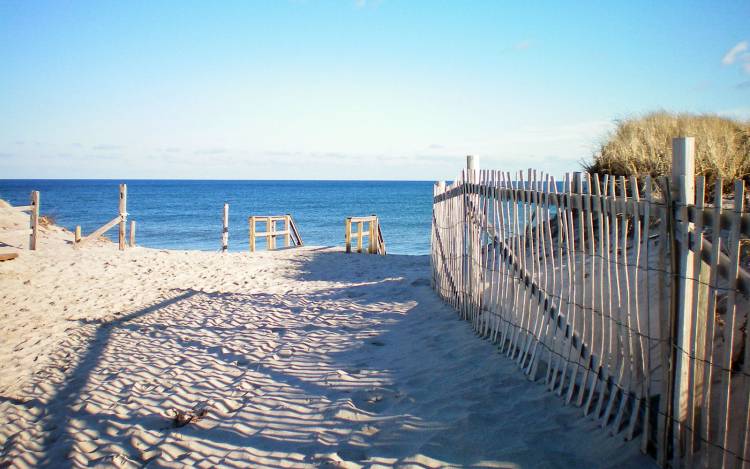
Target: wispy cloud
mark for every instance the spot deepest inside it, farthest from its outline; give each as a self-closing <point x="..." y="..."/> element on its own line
<point x="735" y="52"/>
<point x="210" y="151"/>
<point x="364" y="3"/>
<point x="522" y="45"/>
<point x="107" y="147"/>
<point x="740" y="56"/>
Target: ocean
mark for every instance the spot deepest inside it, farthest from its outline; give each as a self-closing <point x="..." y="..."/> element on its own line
<point x="187" y="214"/>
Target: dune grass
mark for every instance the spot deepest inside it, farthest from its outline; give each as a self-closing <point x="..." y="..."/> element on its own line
<point x="643" y="146"/>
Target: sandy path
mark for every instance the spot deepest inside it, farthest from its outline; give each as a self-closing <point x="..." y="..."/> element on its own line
<point x="298" y="358"/>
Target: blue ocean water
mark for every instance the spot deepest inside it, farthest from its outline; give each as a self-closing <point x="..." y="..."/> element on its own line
<point x="180" y="214"/>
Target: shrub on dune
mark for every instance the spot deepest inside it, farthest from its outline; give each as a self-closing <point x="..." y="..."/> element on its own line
<point x="643" y="146"/>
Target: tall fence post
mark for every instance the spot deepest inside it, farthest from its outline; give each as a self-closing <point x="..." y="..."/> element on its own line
<point x="348" y="234"/>
<point x="472" y="168"/>
<point x="34" y="220"/>
<point x="372" y="246"/>
<point x="683" y="193"/>
<point x="287" y="228"/>
<point x="225" y="229"/>
<point x="251" y="222"/>
<point x="123" y="215"/>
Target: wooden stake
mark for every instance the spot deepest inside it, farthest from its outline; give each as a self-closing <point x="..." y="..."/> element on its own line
<point x="683" y="178"/>
<point x="270" y="239"/>
<point x="132" y="233"/>
<point x="77" y="236"/>
<point x="360" y="229"/>
<point x="251" y="222"/>
<point x="372" y="242"/>
<point x="348" y="234"/>
<point x="288" y="236"/>
<point x="34" y="220"/>
<point x="225" y="229"/>
<point x="123" y="215"/>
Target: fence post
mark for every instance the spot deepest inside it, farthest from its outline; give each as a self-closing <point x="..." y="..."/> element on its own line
<point x="225" y="229"/>
<point x="360" y="231"/>
<point x="287" y="227"/>
<point x="683" y="193"/>
<point x="34" y="220"/>
<point x="348" y="234"/>
<point x="132" y="233"/>
<point x="472" y="168"/>
<point x="77" y="236"/>
<point x="123" y="215"/>
<point x="372" y="244"/>
<point x="251" y="222"/>
<point x="439" y="189"/>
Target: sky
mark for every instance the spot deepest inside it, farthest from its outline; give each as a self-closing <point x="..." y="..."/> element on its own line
<point x="349" y="89"/>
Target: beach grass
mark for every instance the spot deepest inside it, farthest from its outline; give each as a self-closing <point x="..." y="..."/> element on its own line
<point x="643" y="146"/>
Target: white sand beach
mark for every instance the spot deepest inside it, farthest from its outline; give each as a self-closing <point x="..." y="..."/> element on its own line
<point x="295" y="358"/>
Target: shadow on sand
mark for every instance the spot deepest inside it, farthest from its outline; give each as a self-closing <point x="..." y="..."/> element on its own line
<point x="359" y="361"/>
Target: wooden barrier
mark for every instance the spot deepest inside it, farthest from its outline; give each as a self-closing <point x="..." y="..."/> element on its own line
<point x="374" y="235"/>
<point x="628" y="298"/>
<point x="289" y="232"/>
<point x="33" y="229"/>
<point x="121" y="220"/>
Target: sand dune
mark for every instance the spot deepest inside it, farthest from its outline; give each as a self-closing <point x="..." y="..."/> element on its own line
<point x="298" y="358"/>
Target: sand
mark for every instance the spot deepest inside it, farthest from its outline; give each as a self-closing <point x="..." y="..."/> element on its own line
<point x="295" y="358"/>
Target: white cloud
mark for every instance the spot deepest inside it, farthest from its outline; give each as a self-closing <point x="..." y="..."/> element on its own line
<point x="735" y="52"/>
<point x="523" y="45"/>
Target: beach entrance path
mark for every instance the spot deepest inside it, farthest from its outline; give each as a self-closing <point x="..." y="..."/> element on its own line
<point x="293" y="358"/>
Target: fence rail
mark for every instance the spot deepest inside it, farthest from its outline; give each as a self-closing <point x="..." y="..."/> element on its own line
<point x="626" y="297"/>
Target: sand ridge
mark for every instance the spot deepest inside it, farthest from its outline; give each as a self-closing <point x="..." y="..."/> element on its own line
<point x="300" y="358"/>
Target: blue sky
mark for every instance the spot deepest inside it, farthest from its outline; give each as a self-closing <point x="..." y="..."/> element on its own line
<point x="349" y="89"/>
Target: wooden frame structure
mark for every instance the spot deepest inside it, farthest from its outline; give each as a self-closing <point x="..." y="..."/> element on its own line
<point x="33" y="229"/>
<point x="289" y="232"/>
<point x="120" y="220"/>
<point x="374" y="235"/>
<point x="625" y="297"/>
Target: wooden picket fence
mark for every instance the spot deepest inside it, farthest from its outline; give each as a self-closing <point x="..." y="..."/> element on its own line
<point x="627" y="297"/>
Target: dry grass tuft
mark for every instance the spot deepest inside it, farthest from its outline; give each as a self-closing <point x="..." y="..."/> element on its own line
<point x="643" y="146"/>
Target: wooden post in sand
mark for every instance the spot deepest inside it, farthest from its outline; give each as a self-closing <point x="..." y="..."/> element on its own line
<point x="132" y="233"/>
<point x="252" y="233"/>
<point x="77" y="237"/>
<point x="683" y="193"/>
<point x="225" y="229"/>
<point x="348" y="234"/>
<point x="270" y="239"/>
<point x="372" y="247"/>
<point x="472" y="168"/>
<point x="123" y="215"/>
<point x="361" y="231"/>
<point x="34" y="220"/>
<point x="287" y="228"/>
